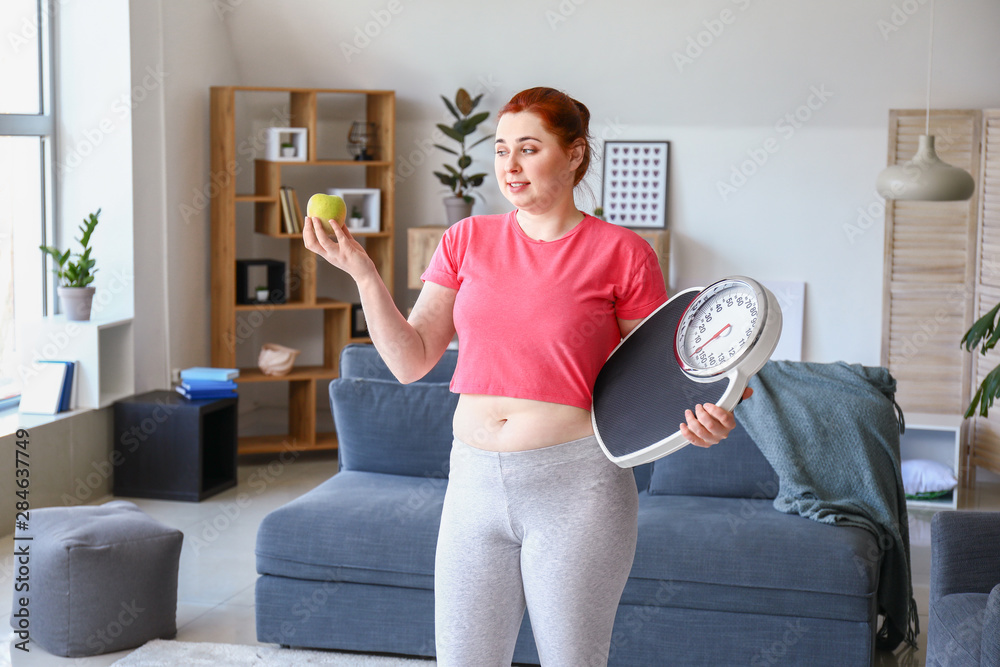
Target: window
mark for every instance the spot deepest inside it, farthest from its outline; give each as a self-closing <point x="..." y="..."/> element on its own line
<point x="26" y="135"/>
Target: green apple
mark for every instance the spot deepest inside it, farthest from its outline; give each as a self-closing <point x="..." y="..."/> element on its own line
<point x="327" y="208"/>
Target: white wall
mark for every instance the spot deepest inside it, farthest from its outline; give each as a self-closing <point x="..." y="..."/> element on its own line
<point x="187" y="44"/>
<point x="757" y="62"/>
<point x="94" y="144"/>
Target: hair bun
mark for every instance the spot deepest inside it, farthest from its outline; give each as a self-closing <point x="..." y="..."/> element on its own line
<point x="584" y="112"/>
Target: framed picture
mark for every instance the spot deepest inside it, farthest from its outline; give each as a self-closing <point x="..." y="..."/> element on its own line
<point x="359" y="327"/>
<point x="634" y="192"/>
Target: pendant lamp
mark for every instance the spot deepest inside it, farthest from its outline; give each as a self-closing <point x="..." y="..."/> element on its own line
<point x="926" y="177"/>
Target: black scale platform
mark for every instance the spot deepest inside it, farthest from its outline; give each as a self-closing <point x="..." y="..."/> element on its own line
<point x="641" y="394"/>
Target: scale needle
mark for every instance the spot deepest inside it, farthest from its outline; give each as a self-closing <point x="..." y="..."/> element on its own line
<point x="721" y="331"/>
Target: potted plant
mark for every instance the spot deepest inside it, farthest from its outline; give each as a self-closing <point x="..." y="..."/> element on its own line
<point x="262" y="293"/>
<point x="357" y="220"/>
<point x="459" y="205"/>
<point x="75" y="290"/>
<point x="984" y="334"/>
<point x="287" y="150"/>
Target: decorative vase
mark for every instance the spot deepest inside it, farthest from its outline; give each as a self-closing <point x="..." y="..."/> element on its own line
<point x="76" y="302"/>
<point x="456" y="208"/>
<point x="276" y="359"/>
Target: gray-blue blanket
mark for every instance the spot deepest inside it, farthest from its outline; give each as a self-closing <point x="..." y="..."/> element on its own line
<point x="831" y="432"/>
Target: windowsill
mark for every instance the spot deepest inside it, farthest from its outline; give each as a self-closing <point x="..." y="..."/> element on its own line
<point x="11" y="420"/>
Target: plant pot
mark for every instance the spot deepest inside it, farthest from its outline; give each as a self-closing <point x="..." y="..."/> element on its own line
<point x="456" y="208"/>
<point x="76" y="302"/>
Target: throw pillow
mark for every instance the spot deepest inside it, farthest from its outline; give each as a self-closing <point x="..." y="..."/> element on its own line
<point x="921" y="477"/>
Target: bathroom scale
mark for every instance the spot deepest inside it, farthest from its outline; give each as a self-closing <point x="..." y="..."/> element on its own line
<point x="701" y="346"/>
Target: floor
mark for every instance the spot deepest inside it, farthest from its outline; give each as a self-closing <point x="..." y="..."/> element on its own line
<point x="217" y="573"/>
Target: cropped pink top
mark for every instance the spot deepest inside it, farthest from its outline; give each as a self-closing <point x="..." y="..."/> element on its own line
<point x="537" y="319"/>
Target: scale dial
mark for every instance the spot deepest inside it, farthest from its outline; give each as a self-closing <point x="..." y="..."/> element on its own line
<point x="721" y="326"/>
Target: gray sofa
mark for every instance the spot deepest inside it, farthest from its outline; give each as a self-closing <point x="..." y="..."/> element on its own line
<point x="964" y="614"/>
<point x="719" y="577"/>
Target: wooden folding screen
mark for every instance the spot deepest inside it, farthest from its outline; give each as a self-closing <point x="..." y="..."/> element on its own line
<point x="942" y="271"/>
<point x="985" y="432"/>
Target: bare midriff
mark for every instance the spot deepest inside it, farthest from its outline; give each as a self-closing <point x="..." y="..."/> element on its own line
<point x="504" y="424"/>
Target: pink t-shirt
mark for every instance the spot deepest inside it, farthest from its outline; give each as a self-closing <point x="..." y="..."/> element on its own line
<point x="537" y="319"/>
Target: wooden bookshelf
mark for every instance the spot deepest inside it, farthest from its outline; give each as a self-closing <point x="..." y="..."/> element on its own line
<point x="302" y="381"/>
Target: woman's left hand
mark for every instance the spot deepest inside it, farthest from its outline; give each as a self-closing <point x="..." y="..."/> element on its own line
<point x="708" y="424"/>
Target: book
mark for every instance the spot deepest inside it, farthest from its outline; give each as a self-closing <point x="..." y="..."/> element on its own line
<point x="208" y="373"/>
<point x="198" y="395"/>
<point x="201" y="385"/>
<point x="298" y="211"/>
<point x="288" y="210"/>
<point x="43" y="392"/>
<point x="67" y="399"/>
<point x="286" y="215"/>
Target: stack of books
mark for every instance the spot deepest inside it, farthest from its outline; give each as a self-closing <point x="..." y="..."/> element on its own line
<point x="291" y="213"/>
<point x="199" y="383"/>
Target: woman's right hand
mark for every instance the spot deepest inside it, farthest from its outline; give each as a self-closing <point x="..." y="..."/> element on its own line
<point x="346" y="253"/>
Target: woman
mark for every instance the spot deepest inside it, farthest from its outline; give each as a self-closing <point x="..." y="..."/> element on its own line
<point x="535" y="515"/>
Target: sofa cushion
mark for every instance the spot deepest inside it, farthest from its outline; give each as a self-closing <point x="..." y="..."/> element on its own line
<point x="360" y="527"/>
<point x="384" y="426"/>
<point x="738" y="554"/>
<point x="734" y="468"/>
<point x="362" y="360"/>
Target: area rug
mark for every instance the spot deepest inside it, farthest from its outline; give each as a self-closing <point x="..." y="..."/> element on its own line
<point x="170" y="653"/>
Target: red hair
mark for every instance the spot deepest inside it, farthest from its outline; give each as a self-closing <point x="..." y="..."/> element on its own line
<point x="561" y="115"/>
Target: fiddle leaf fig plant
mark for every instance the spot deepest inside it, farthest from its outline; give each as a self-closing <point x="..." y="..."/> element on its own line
<point x="79" y="272"/>
<point x="465" y="124"/>
<point x="984" y="334"/>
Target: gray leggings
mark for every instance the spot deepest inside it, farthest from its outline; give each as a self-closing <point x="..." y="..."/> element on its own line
<point x="553" y="529"/>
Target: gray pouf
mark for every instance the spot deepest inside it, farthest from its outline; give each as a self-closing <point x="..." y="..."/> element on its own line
<point x="99" y="579"/>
